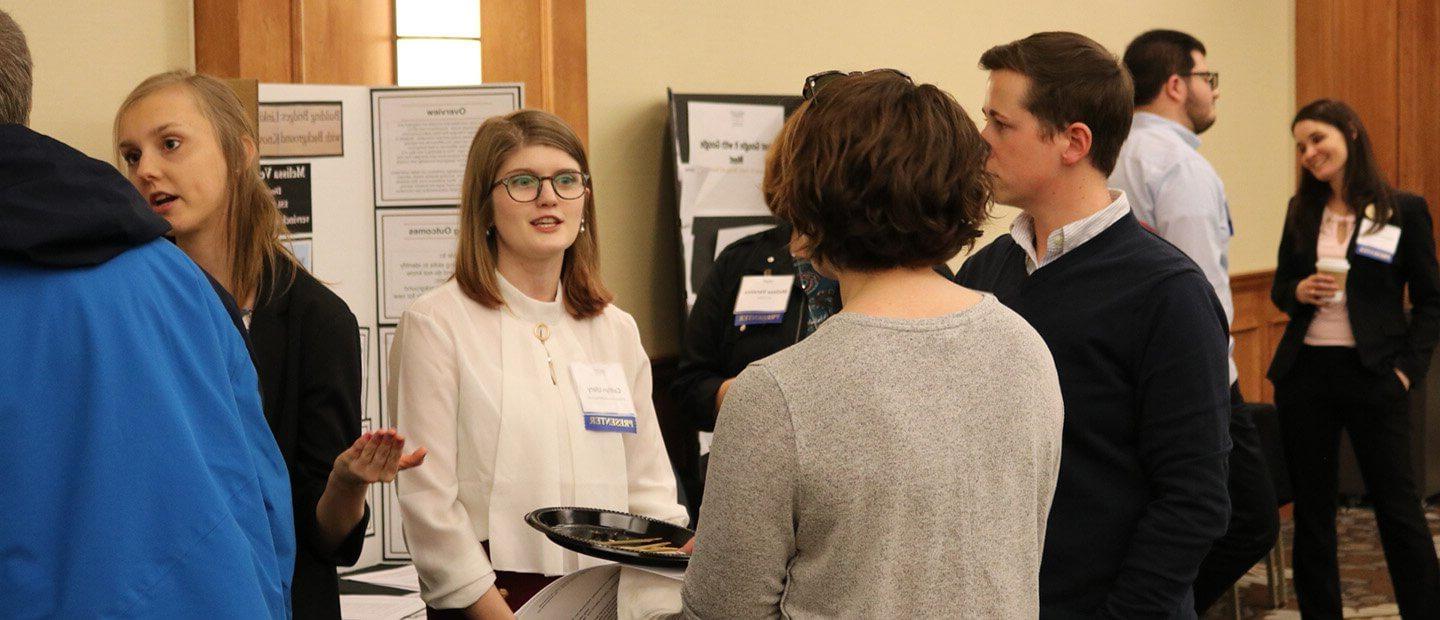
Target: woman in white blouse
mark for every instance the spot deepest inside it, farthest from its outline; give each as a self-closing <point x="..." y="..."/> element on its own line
<point x="483" y="371"/>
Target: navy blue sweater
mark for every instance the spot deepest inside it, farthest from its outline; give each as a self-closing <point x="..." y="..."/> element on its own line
<point x="1140" y="343"/>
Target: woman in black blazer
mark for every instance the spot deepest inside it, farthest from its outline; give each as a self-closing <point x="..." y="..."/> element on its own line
<point x="1349" y="363"/>
<point x="306" y="347"/>
<point x="188" y="146"/>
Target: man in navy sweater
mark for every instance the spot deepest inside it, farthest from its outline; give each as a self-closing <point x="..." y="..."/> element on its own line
<point x="1138" y="336"/>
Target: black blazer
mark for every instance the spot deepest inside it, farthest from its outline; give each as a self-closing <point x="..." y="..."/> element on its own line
<point x="307" y="353"/>
<point x="1374" y="296"/>
<point x="714" y="348"/>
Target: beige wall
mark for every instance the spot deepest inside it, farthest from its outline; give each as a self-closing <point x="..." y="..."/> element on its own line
<point x="639" y="47"/>
<point x="88" y="55"/>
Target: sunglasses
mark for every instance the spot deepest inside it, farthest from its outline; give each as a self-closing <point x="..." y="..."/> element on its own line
<point x="814" y="83"/>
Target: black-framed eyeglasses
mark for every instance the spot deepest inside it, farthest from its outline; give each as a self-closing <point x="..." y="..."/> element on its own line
<point x="526" y="187"/>
<point x="814" y="83"/>
<point x="1211" y="77"/>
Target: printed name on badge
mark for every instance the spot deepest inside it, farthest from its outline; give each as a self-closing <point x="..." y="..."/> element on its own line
<point x="762" y="299"/>
<point x="605" y="401"/>
<point x="1378" y="245"/>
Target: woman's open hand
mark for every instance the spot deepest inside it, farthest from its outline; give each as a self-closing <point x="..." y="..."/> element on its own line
<point x="375" y="457"/>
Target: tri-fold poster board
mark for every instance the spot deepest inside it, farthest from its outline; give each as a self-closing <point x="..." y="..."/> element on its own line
<point x="368" y="180"/>
<point x="718" y="144"/>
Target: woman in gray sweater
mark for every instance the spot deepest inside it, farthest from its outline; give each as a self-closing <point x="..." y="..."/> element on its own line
<point x="899" y="462"/>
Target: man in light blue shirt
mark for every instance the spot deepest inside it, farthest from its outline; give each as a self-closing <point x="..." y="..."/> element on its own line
<point x="1176" y="193"/>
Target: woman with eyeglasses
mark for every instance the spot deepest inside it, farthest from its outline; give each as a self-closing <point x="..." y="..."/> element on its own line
<point x="899" y="461"/>
<point x="185" y="142"/>
<point x="493" y="371"/>
<point x="1351" y="248"/>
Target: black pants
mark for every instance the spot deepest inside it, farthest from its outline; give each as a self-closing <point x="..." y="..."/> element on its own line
<point x="1328" y="390"/>
<point x="1254" y="515"/>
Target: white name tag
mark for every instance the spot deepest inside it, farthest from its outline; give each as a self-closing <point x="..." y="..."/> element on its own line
<point x="605" y="401"/>
<point x="1379" y="245"/>
<point x="762" y="299"/>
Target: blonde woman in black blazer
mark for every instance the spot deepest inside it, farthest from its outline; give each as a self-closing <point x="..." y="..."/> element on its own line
<point x="186" y="143"/>
<point x="1329" y="376"/>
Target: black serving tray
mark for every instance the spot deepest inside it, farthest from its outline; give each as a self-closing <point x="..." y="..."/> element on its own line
<point x="579" y="529"/>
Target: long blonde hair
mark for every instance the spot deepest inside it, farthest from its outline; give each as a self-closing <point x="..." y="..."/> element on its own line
<point x="253" y="224"/>
<point x="476" y="260"/>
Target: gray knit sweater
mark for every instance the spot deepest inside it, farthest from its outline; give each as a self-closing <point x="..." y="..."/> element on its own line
<point x="883" y="468"/>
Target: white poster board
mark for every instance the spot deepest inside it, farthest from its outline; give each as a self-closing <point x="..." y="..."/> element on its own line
<point x="719" y="144"/>
<point x="341" y="207"/>
<point x="321" y="144"/>
<point x="415" y="252"/>
<point x="421" y="138"/>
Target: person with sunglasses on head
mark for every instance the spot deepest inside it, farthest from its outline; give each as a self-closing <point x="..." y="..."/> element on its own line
<point x="1138" y="335"/>
<point x="718" y="343"/>
<point x="496" y="372"/>
<point x="899" y="461"/>
<point x="1175" y="192"/>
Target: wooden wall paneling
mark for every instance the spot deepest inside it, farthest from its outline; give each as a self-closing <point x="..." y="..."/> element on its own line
<point x="511" y="40"/>
<point x="541" y="44"/>
<point x="1419" y="101"/>
<point x="569" y="68"/>
<point x="244" y="39"/>
<point x="297" y="41"/>
<point x="1257" y="329"/>
<point x="1249" y="361"/>
<point x="217" y="39"/>
<point x="1346" y="49"/>
<point x="1315" y="64"/>
<point x="346" y="41"/>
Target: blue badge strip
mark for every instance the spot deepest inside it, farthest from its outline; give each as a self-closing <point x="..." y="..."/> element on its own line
<point x="1369" y="252"/>
<point x="759" y="318"/>
<point x="610" y="423"/>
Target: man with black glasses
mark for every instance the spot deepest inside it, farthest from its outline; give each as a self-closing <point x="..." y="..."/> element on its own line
<point x="1176" y="193"/>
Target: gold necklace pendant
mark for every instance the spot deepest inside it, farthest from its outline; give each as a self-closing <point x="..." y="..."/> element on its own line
<point x="542" y="333"/>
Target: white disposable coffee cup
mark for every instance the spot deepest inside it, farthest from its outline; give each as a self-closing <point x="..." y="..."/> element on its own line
<point x="1337" y="268"/>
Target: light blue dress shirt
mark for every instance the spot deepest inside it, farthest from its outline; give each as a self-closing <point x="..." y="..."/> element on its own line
<point x="1175" y="192"/>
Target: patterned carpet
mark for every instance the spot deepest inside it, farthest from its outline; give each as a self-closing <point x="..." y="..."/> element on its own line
<point x="1364" y="580"/>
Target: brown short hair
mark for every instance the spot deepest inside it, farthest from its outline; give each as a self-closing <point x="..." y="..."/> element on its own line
<point x="1073" y="79"/>
<point x="1155" y="56"/>
<point x="475" y="262"/>
<point x="880" y="173"/>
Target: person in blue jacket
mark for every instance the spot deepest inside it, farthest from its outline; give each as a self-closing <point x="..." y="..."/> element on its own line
<point x="140" y="479"/>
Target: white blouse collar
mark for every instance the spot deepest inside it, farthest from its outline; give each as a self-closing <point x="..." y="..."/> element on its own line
<point x="532" y="309"/>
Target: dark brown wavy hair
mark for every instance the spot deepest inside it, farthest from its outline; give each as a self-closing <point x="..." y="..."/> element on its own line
<point x="879" y="173"/>
<point x="585" y="294"/>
